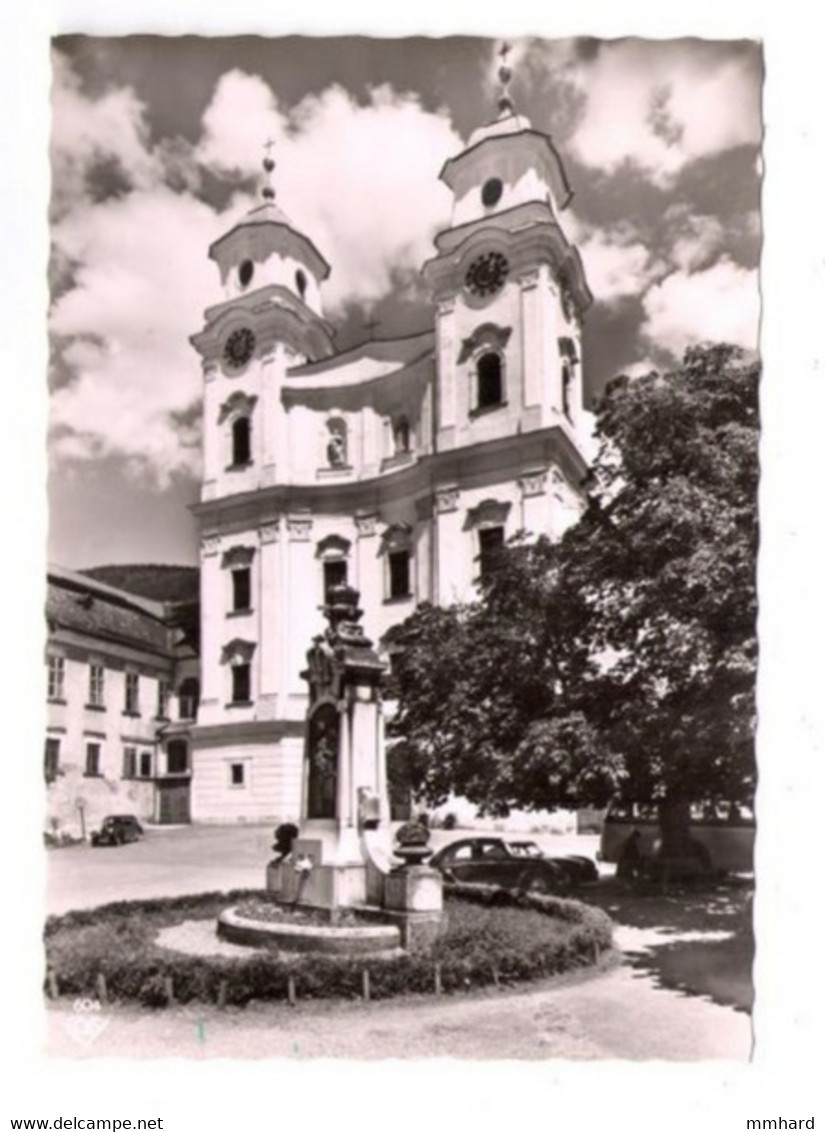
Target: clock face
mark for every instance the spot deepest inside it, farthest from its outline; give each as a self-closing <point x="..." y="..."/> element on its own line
<point x="487" y="274"/>
<point x="239" y="347"/>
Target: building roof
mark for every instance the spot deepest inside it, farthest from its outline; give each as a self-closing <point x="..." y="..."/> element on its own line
<point x="84" y="605"/>
<point x="388" y="353"/>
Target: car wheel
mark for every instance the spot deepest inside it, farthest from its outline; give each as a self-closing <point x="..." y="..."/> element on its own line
<point x="537" y="884"/>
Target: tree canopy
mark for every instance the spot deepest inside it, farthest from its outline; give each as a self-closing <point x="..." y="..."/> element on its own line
<point x="623" y="657"/>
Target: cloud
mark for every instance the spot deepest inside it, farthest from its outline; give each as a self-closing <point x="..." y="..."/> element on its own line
<point x="361" y="181"/>
<point x="719" y="304"/>
<point x="90" y="132"/>
<point x="125" y="324"/>
<point x="617" y="264"/>
<point x="661" y="105"/>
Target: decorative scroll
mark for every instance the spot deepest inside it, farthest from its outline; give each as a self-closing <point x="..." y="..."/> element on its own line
<point x="487" y="335"/>
<point x="237" y="557"/>
<point x="238" y="405"/>
<point x="446" y="499"/>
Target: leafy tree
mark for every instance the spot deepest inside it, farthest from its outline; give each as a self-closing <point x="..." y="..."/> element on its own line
<point x="624" y="656"/>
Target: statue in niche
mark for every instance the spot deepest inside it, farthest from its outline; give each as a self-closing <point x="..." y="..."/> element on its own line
<point x="401" y="436"/>
<point x="323" y="763"/>
<point x="337" y="444"/>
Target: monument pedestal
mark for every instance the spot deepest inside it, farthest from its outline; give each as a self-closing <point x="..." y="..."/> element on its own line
<point x="414" y="900"/>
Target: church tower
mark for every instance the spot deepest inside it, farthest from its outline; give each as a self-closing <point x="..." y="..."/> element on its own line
<point x="270" y="319"/>
<point x="509" y="287"/>
<point x="510" y="294"/>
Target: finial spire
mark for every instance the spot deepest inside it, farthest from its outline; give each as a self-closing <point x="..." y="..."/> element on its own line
<point x="505" y="74"/>
<point x="268" y="192"/>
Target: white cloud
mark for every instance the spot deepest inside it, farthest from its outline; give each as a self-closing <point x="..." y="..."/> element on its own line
<point x="720" y="304"/>
<point x="616" y="264"/>
<point x="361" y="181"/>
<point x="86" y="132"/>
<point x="126" y="321"/>
<point x="662" y="105"/>
<point x="700" y="239"/>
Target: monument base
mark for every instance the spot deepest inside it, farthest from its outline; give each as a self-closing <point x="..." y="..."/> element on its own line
<point x="322" y="886"/>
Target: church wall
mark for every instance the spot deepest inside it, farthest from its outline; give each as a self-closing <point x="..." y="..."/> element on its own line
<point x="271" y="787"/>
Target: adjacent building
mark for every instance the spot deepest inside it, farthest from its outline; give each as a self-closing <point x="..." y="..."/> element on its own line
<point x="122" y="692"/>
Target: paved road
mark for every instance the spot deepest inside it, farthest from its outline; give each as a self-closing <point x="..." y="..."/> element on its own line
<point x="176" y="861"/>
<point x="619" y="1013"/>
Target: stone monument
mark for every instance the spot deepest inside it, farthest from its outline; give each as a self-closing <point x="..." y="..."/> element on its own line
<point x="342" y="856"/>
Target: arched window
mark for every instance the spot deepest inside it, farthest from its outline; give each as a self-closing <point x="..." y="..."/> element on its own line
<point x="189" y="694"/>
<point x="490" y="380"/>
<point x="333" y="553"/>
<point x="301" y="283"/>
<point x="241" y="441"/>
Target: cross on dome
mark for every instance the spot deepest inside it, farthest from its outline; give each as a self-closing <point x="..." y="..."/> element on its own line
<point x="505" y="74"/>
<point x="268" y="192"/>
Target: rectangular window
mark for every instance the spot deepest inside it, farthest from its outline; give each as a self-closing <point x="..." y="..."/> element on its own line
<point x="163" y="699"/>
<point x="96" y="684"/>
<point x="132" y="704"/>
<point x="145" y="764"/>
<point x="188" y="697"/>
<point x="335" y="574"/>
<point x="57" y="675"/>
<point x="51" y="761"/>
<point x="177" y="757"/>
<point x="399" y="569"/>
<point x="490" y="544"/>
<point x="241" y="589"/>
<point x="237" y="774"/>
<point x="93" y="760"/>
<point x="241" y="685"/>
<point x="129" y="762"/>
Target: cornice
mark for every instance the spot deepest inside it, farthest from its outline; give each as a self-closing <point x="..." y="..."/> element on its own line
<point x="274" y="315"/>
<point x="526" y="248"/>
<point x="486" y="460"/>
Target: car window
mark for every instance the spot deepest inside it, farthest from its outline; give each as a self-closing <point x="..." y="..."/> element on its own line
<point x="494" y="851"/>
<point x="459" y="853"/>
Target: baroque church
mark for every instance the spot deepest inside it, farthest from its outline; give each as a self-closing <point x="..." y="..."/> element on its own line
<point x="399" y="466"/>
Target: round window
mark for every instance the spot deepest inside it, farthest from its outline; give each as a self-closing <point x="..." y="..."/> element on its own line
<point x="491" y="192"/>
<point x="301" y="282"/>
<point x="245" y="272"/>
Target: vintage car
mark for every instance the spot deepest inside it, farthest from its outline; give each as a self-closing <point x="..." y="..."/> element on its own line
<point x="117" y="829"/>
<point x="518" y="865"/>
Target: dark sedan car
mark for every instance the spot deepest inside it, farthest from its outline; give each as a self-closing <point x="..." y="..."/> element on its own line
<point x="117" y="829"/>
<point x="519" y="865"/>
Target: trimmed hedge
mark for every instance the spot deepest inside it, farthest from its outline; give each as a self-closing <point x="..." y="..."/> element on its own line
<point x="493" y="937"/>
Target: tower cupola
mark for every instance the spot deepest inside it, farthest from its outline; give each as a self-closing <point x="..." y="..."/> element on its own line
<point x="266" y="248"/>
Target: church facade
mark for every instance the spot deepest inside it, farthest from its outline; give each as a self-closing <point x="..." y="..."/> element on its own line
<point x="399" y="466"/>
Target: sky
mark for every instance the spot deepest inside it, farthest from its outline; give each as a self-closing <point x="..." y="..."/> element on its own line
<point x="156" y="146"/>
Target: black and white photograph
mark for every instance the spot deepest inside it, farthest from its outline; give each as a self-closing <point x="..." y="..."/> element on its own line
<point x="407" y="600"/>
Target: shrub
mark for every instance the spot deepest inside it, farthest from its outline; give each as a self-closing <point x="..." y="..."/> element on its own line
<point x="492" y="937"/>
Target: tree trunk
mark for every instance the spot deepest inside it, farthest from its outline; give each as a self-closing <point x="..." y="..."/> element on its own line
<point x="674" y="828"/>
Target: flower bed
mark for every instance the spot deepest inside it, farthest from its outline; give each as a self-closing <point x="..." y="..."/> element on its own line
<point x="493" y="937"/>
